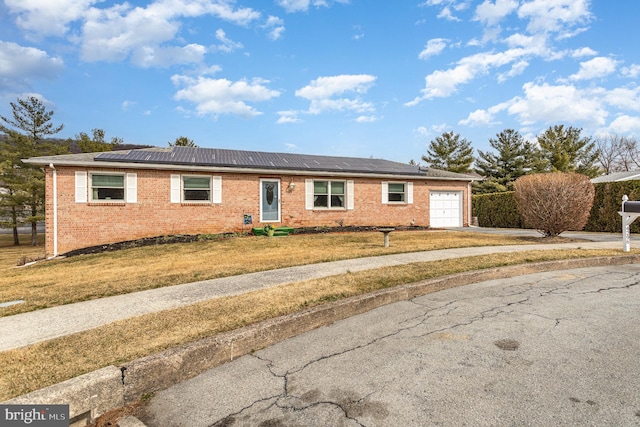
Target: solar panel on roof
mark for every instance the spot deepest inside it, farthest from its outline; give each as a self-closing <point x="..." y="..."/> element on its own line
<point x="254" y="159"/>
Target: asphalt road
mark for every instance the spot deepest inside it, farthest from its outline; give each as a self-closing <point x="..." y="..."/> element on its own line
<point x="558" y="348"/>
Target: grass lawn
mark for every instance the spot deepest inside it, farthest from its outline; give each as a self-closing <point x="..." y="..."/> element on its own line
<point x="85" y="277"/>
<point x="93" y="276"/>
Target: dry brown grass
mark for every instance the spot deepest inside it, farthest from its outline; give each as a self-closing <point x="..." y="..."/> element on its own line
<point x="87" y="277"/>
<point x="11" y="255"/>
<point x="50" y="362"/>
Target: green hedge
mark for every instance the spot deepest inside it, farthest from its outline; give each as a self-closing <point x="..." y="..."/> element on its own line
<point x="608" y="202"/>
<point x="500" y="210"/>
<point x="496" y="210"/>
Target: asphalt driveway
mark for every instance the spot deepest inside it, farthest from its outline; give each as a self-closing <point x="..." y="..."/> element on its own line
<point x="557" y="348"/>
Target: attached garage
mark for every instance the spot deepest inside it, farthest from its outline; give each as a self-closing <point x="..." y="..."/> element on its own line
<point x="445" y="209"/>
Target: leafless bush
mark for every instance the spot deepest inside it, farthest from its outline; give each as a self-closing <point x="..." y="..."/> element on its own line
<point x="554" y="202"/>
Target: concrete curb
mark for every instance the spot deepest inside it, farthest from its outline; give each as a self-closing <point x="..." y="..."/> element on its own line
<point x="96" y="393"/>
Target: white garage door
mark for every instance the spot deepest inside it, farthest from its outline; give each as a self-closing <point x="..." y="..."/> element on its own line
<point x="446" y="209"/>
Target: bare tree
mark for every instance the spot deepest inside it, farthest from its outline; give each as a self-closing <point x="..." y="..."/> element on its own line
<point x="630" y="154"/>
<point x="617" y="153"/>
<point x="554" y="202"/>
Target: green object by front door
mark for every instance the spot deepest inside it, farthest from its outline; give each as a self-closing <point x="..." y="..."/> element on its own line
<point x="270" y="201"/>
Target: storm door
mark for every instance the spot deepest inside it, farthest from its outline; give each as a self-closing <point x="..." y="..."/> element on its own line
<point x="269" y="200"/>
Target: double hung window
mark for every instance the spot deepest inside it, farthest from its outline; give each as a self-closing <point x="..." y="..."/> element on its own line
<point x="397" y="192"/>
<point x="329" y="194"/>
<point x="107" y="187"/>
<point x="196" y="188"/>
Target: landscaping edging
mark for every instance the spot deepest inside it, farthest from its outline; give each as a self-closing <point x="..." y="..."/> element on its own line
<point x="96" y="393"/>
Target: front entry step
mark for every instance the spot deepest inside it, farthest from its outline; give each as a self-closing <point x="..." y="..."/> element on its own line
<point x="279" y="231"/>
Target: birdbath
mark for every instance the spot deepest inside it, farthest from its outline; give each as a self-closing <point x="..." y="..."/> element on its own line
<point x="386" y="232"/>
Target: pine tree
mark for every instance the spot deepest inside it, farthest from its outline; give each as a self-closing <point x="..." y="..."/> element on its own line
<point x="24" y="184"/>
<point x="182" y="141"/>
<point x="97" y="143"/>
<point x="513" y="158"/>
<point x="566" y="151"/>
<point x="449" y="152"/>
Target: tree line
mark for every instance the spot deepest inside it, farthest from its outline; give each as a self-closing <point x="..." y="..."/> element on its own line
<point x="557" y="149"/>
<point x="27" y="133"/>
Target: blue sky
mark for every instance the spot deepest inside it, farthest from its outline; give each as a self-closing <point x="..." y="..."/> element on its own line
<point x="334" y="77"/>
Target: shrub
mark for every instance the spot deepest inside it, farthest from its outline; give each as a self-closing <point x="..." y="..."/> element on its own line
<point x="554" y="202"/>
<point x="608" y="202"/>
<point x="496" y="210"/>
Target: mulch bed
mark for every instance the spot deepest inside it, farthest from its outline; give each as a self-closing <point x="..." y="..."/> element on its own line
<point x="188" y="238"/>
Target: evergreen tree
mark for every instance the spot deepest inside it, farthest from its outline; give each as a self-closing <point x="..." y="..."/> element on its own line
<point x="23" y="184"/>
<point x="513" y="158"/>
<point x="97" y="143"/>
<point x="449" y="152"/>
<point x="566" y="151"/>
<point x="182" y="141"/>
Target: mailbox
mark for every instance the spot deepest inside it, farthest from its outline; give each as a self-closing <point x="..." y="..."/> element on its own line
<point x="631" y="207"/>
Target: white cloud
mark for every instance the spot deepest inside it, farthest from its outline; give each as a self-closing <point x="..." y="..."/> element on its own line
<point x="18" y="64"/>
<point x="221" y="96"/>
<point x="516" y="69"/>
<point x="433" y="47"/>
<point x="625" y="125"/>
<point x="335" y="93"/>
<point x="47" y="17"/>
<point x="292" y="6"/>
<point x="553" y="104"/>
<point x="126" y="104"/>
<point x="632" y="71"/>
<point x="421" y="131"/>
<point x="585" y="51"/>
<point x="446" y="13"/>
<point x="145" y="33"/>
<point x="447" y="8"/>
<point x="477" y="118"/>
<point x="623" y="98"/>
<point x="367" y="119"/>
<point x="595" y="68"/>
<point x="491" y="13"/>
<point x="443" y="83"/>
<point x="289" y="116"/>
<point x="227" y="45"/>
<point x="147" y="56"/>
<point x="424" y="132"/>
<point x="554" y="15"/>
<point x="326" y="87"/>
<point x="275" y="27"/>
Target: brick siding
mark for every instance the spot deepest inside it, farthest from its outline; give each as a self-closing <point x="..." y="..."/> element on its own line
<point x="87" y="224"/>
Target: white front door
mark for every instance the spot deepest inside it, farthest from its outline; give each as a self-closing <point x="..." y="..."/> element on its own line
<point x="445" y="209"/>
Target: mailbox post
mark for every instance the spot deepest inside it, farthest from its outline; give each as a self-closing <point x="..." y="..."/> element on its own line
<point x="630" y="211"/>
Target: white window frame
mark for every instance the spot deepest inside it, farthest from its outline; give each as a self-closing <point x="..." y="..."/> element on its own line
<point x="408" y="193"/>
<point x="124" y="187"/>
<point x="177" y="189"/>
<point x="348" y="194"/>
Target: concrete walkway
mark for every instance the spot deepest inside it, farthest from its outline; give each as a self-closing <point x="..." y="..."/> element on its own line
<point x="24" y="329"/>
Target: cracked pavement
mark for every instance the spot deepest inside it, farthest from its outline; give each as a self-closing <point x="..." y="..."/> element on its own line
<point x="555" y="348"/>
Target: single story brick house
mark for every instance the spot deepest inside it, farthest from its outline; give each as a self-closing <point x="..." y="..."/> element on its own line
<point x="108" y="197"/>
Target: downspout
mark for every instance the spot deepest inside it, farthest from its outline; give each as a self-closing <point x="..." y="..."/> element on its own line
<point x="55" y="209"/>
<point x="469" y="207"/>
